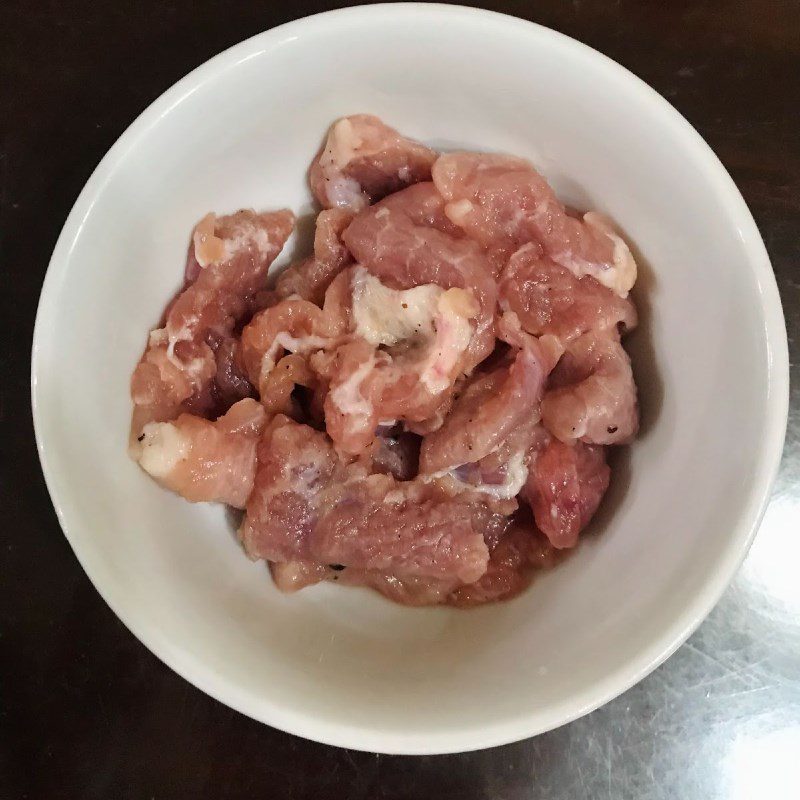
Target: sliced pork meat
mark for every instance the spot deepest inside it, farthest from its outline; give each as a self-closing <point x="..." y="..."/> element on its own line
<point x="310" y="278"/>
<point x="279" y="385"/>
<point x="502" y="473"/>
<point x="409" y="590"/>
<point x="306" y="505"/>
<point x="591" y="394"/>
<point x="512" y="564"/>
<point x="565" y="486"/>
<point x="293" y="325"/>
<point x="409" y="529"/>
<point x="405" y="354"/>
<point x="422" y="405"/>
<point x="295" y="463"/>
<point x="363" y="160"/>
<point x="503" y="203"/>
<point x="491" y="406"/>
<point x="163" y="386"/>
<point x="230" y="383"/>
<point x="227" y="266"/>
<point x="548" y="299"/>
<point x="205" y="461"/>
<point x="404" y="249"/>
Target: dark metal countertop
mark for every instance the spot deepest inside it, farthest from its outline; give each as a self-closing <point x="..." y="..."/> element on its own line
<point x="87" y="712"/>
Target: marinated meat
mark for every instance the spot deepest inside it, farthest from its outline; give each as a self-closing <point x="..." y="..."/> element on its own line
<point x="491" y="406"/>
<point x="564" y="488"/>
<point x="405" y="249"/>
<point x="310" y="278"/>
<point x="591" y="394"/>
<point x="549" y="299"/>
<point x="422" y="406"/>
<point x="503" y="203"/>
<point x="205" y="461"/>
<point x="363" y="160"/>
<point x="227" y="266"/>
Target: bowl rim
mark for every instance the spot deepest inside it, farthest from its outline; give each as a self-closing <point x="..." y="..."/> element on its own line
<point x="661" y="645"/>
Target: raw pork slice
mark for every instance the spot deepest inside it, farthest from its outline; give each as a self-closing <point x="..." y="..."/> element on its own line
<point x="565" y="486"/>
<point x="308" y="506"/>
<point x="591" y="394"/>
<point x="503" y="203"/>
<point x="404" y="242"/>
<point x="491" y="406"/>
<point x="402" y="529"/>
<point x="227" y="266"/>
<point x="363" y="160"/>
<point x="205" y="461"/>
<point x="512" y="563"/>
<point x="549" y="299"/>
<point x="295" y="463"/>
<point x="409" y="350"/>
<point x="293" y="325"/>
<point x="310" y="278"/>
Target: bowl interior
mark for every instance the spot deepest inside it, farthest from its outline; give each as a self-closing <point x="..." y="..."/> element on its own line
<point x="342" y="665"/>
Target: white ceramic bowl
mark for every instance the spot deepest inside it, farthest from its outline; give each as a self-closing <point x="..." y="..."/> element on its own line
<point x="344" y="666"/>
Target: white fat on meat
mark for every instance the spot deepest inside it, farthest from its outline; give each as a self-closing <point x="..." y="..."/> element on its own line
<point x="250" y="236"/>
<point x="454" y="309"/>
<point x="209" y="248"/>
<point x="385" y="316"/>
<point x="516" y="473"/>
<point x="427" y="313"/>
<point x="513" y="481"/>
<point x="341" y="148"/>
<point x="157" y="337"/>
<point x="347" y="396"/>
<point x="292" y="344"/>
<point x="458" y="211"/>
<point x="621" y="274"/>
<point x="184" y="334"/>
<point x="162" y="447"/>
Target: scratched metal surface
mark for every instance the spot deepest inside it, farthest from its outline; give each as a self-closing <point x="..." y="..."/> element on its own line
<point x="87" y="712"/>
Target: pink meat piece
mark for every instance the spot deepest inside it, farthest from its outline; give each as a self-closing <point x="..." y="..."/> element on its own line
<point x="230" y="383"/>
<point x="503" y="203"/>
<point x="278" y="388"/>
<point x="232" y="256"/>
<point x="351" y="417"/>
<point x="591" y="394"/>
<point x="161" y="387"/>
<point x="363" y="160"/>
<point x="512" y="563"/>
<point x="310" y="279"/>
<point x="367" y="385"/>
<point x="291" y="576"/>
<point x="405" y="242"/>
<point x="565" y="486"/>
<point x="549" y="299"/>
<point x="418" y="339"/>
<point x="409" y="590"/>
<point x="205" y="461"/>
<point x="402" y="529"/>
<point x="503" y="472"/>
<point x="295" y="463"/>
<point x="491" y="406"/>
<point x="305" y="505"/>
<point x="293" y="325"/>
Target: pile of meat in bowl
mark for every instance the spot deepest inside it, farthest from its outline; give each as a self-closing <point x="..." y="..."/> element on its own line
<point x="424" y="404"/>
